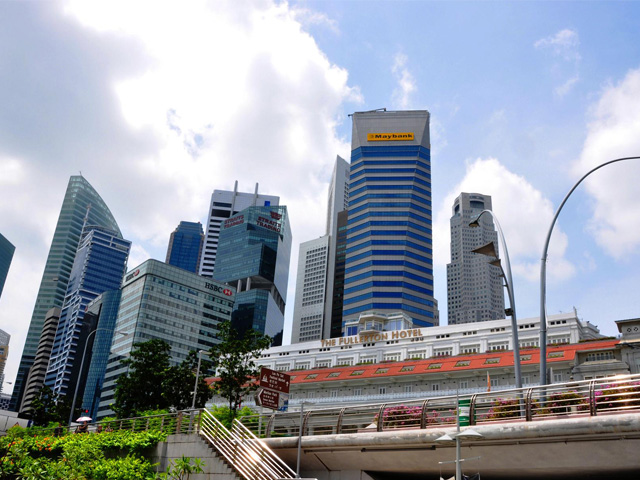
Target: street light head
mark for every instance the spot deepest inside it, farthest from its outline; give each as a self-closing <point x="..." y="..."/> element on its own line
<point x="469" y="434"/>
<point x="489" y="250"/>
<point x="445" y="439"/>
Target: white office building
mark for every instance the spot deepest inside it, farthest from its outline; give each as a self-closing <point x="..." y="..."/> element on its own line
<point x="225" y="204"/>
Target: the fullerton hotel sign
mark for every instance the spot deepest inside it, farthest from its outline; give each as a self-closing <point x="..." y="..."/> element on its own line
<point x="372" y="337"/>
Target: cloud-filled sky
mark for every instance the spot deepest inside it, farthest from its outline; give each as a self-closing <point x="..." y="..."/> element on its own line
<point x="160" y="103"/>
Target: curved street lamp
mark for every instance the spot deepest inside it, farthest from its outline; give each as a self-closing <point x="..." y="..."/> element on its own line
<point x="490" y="251"/>
<point x="543" y="273"/>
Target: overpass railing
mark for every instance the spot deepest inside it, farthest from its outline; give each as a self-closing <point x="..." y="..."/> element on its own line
<point x="608" y="395"/>
<point x="248" y="455"/>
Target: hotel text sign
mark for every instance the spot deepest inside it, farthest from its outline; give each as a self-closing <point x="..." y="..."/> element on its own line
<point x="372" y="337"/>
<point x="390" y="137"/>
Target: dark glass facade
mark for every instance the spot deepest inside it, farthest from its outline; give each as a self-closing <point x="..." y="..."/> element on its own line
<point x="253" y="255"/>
<point x="99" y="266"/>
<point x="185" y="246"/>
<point x="389" y="261"/>
<point x="103" y="312"/>
<point x="6" y="255"/>
<point x="338" y="285"/>
<point x="53" y="286"/>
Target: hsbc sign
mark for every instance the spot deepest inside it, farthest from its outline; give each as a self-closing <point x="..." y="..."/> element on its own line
<point x="218" y="289"/>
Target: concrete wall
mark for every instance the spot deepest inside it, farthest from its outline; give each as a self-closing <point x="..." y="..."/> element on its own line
<point x="192" y="446"/>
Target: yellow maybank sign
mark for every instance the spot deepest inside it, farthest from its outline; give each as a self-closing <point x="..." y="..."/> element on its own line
<point x="390" y="137"/>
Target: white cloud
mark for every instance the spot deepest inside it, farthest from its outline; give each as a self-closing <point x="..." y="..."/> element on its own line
<point x="401" y="96"/>
<point x="523" y="213"/>
<point x="159" y="103"/>
<point x="614" y="132"/>
<point x="564" y="44"/>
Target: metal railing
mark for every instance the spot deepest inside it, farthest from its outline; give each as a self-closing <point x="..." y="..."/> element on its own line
<point x="609" y="395"/>
<point x="243" y="451"/>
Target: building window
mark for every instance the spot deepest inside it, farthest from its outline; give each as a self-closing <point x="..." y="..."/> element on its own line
<point x="599" y="356"/>
<point x="357" y="391"/>
<point x="334" y="393"/>
<point x="408" y="388"/>
<point x="463" y="384"/>
<point x="557" y="378"/>
<point x="382" y="390"/>
<point x="435" y="387"/>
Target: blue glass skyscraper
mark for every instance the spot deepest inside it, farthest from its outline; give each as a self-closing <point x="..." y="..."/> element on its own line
<point x="185" y="246"/>
<point x="53" y="286"/>
<point x="389" y="261"/>
<point x="253" y="255"/>
<point x="104" y="312"/>
<point x="6" y="255"/>
<point x="99" y="266"/>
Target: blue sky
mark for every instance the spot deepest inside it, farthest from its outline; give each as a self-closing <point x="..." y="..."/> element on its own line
<point x="159" y="103"/>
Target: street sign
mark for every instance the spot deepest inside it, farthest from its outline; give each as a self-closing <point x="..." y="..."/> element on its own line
<point x="274" y="380"/>
<point x="269" y="399"/>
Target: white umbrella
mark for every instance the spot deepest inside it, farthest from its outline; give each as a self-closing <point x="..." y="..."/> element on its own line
<point x="84" y="419"/>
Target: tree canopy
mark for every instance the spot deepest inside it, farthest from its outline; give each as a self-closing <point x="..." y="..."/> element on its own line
<point x="234" y="360"/>
<point x="152" y="384"/>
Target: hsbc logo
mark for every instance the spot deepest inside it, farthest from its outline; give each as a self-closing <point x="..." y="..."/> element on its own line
<point x="132" y="275"/>
<point x="218" y="289"/>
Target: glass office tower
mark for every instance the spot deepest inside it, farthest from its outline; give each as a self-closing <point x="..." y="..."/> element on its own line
<point x="389" y="261"/>
<point x="80" y="200"/>
<point x="253" y="255"/>
<point x="185" y="246"/>
<point x="160" y="301"/>
<point x="6" y="255"/>
<point x="103" y="312"/>
<point x="99" y="266"/>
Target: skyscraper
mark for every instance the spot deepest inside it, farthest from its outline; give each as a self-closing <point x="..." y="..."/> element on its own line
<point x="37" y="372"/>
<point x="311" y="290"/>
<point x="253" y="256"/>
<point x="389" y="262"/>
<point x="225" y="204"/>
<point x="160" y="301"/>
<point x="99" y="266"/>
<point x="313" y="307"/>
<point x="4" y="353"/>
<point x="185" y="246"/>
<point x="53" y="286"/>
<point x="103" y="312"/>
<point x="474" y="286"/>
<point x="6" y="255"/>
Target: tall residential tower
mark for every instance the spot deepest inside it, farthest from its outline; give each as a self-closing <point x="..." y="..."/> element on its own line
<point x="389" y="261"/>
<point x="474" y="286"/>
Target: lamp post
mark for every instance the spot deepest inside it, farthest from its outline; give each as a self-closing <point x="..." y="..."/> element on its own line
<point x="84" y="352"/>
<point x="468" y="434"/>
<point x="543" y="272"/>
<point x="489" y="250"/>
<point x="302" y="404"/>
<point x="195" y="387"/>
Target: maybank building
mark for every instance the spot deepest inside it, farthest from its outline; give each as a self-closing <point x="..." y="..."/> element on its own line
<point x="389" y="260"/>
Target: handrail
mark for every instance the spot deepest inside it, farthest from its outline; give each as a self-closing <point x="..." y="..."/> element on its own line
<point x="609" y="395"/>
<point x="244" y="452"/>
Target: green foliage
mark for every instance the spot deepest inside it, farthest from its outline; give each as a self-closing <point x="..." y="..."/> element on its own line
<point x="128" y="468"/>
<point x="141" y="387"/>
<point x="234" y="361"/>
<point x="182" y="468"/>
<point x="151" y="384"/>
<point x="225" y="416"/>
<point x="47" y="407"/>
<point x="179" y="381"/>
<point x="107" y="455"/>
